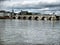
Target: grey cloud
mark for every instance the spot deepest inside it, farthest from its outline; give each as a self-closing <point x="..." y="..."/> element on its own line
<point x="2" y="0"/>
<point x="2" y="3"/>
<point x="52" y="6"/>
<point x="37" y="6"/>
<point x="48" y="5"/>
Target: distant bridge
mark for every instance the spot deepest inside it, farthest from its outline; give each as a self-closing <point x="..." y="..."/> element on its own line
<point x="36" y="17"/>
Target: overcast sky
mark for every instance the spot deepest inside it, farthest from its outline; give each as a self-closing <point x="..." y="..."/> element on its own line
<point x="42" y="6"/>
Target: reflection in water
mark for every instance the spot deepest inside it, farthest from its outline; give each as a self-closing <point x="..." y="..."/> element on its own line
<point x="25" y="32"/>
<point x="2" y="27"/>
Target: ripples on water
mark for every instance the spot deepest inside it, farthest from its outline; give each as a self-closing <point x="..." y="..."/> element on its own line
<point x="25" y="32"/>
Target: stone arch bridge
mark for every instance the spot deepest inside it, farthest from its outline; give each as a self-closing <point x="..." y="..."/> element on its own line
<point x="35" y="17"/>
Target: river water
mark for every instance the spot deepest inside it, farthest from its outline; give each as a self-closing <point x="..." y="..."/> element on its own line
<point x="29" y="32"/>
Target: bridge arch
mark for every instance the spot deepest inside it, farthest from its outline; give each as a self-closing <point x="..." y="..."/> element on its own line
<point x="14" y="17"/>
<point x="49" y="18"/>
<point x="29" y="18"/>
<point x="57" y="18"/>
<point x="24" y="17"/>
<point x="19" y="17"/>
<point x="36" y="18"/>
<point x="42" y="18"/>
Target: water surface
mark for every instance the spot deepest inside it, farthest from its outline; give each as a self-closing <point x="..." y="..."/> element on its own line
<point x="29" y="32"/>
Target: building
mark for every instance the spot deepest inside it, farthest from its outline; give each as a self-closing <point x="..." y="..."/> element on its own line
<point x="23" y="12"/>
<point x="6" y="13"/>
<point x="2" y="13"/>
